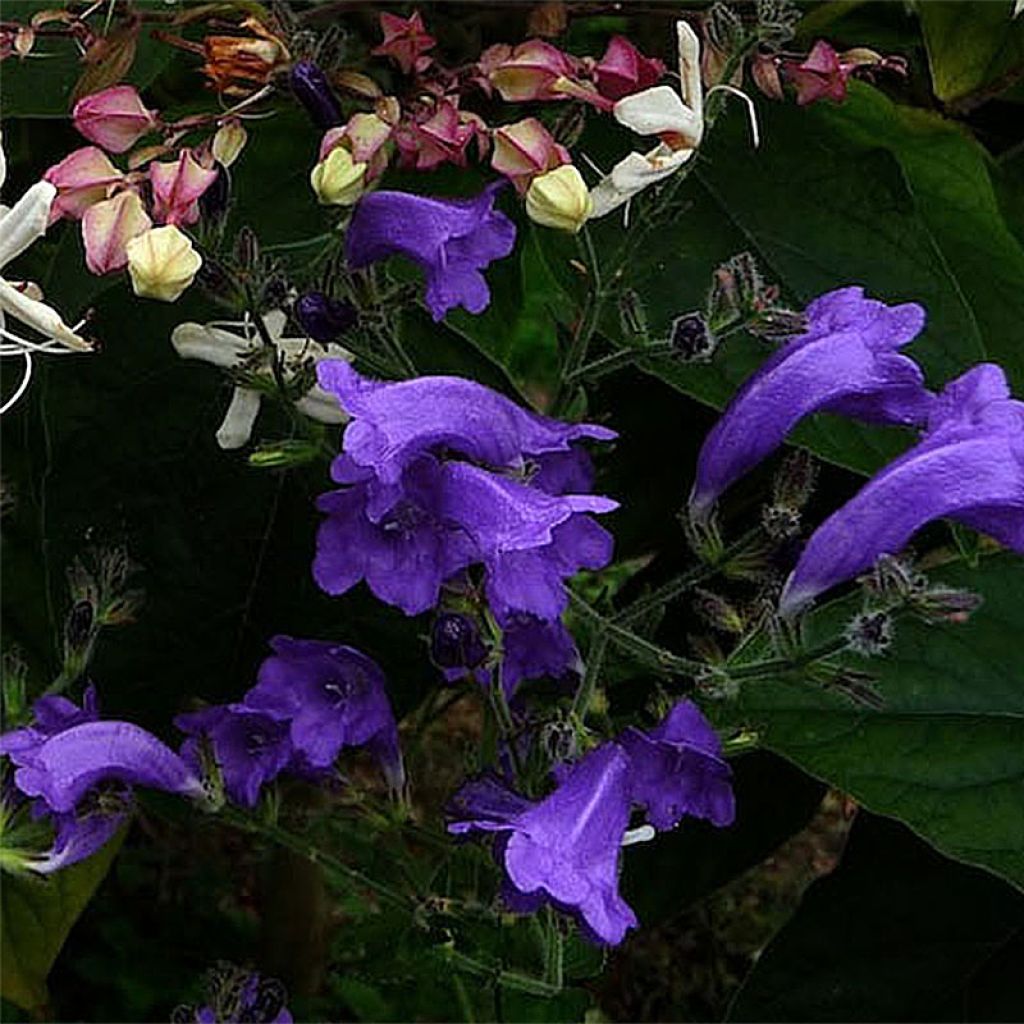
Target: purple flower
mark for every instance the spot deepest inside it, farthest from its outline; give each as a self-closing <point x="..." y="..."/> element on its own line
<point x="451" y="239"/>
<point x="392" y="423"/>
<point x="63" y="767"/>
<point x="251" y="747"/>
<point x="969" y="466"/>
<point x="324" y="318"/>
<point x="314" y="92"/>
<point x="534" y="648"/>
<point x="78" y="835"/>
<point x="234" y="996"/>
<point x="456" y="646"/>
<point x="847" y="362"/>
<point x="333" y="697"/>
<point x="676" y="769"/>
<point x="563" y="849"/>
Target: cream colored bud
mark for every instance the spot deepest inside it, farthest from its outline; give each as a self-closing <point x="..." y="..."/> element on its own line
<point x="228" y="142"/>
<point x="559" y="199"/>
<point x="162" y="263"/>
<point x="338" y="180"/>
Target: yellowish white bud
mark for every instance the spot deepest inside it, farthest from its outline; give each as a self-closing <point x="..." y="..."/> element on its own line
<point x="229" y="142"/>
<point x="559" y="199"/>
<point x="162" y="263"/>
<point x="338" y="180"/>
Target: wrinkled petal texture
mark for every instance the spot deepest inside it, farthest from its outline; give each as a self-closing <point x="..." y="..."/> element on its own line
<point x="846" y="362"/>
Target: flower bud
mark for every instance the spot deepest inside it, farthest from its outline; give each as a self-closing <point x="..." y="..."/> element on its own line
<point x="525" y="149"/>
<point x="162" y="263"/>
<point x="455" y="642"/>
<point x="82" y="178"/>
<point x="559" y="199"/>
<point x="229" y="142"/>
<point x="869" y="633"/>
<point x="108" y="227"/>
<point x="338" y="180"/>
<point x="624" y="69"/>
<point x="313" y="91"/>
<point x="717" y="612"/>
<point x="284" y="454"/>
<point x="690" y="338"/>
<point x="114" y="118"/>
<point x="324" y="318"/>
<point x="528" y="72"/>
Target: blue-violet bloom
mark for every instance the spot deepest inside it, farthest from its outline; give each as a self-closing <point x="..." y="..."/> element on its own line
<point x="250" y="746"/>
<point x="968" y="466"/>
<point x="452" y="240"/>
<point x="676" y="769"/>
<point x="334" y="697"/>
<point x="563" y="849"/>
<point x="846" y="362"/>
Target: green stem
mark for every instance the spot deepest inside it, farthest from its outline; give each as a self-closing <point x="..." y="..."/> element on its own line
<point x="585" y="693"/>
<point x="554" y="952"/>
<point x="330" y="863"/>
<point x="645" y="651"/>
<point x="590" y="315"/>
<point x="776" y="666"/>
<point x="618" y="360"/>
<point x="509" y="979"/>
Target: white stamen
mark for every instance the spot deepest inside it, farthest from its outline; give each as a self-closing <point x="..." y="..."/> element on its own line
<point x="643" y="834"/>
<point x="751" y="109"/>
<point x="22" y="387"/>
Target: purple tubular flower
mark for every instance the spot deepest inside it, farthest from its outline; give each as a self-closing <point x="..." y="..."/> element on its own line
<point x="676" y="769"/>
<point x="63" y="767"/>
<point x="314" y="92"/>
<point x="251" y="747"/>
<point x="563" y="849"/>
<point x="456" y="646"/>
<point x="324" y="318"/>
<point x="847" y="362"/>
<point x="333" y="697"/>
<point x="452" y="240"/>
<point x="79" y="835"/>
<point x="968" y="466"/>
<point x="394" y="422"/>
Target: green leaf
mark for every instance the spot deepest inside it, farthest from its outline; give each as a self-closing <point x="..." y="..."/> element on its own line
<point x="946" y="752"/>
<point x="898" y="932"/>
<point x="35" y="918"/>
<point x="972" y="48"/>
<point x="892" y="198"/>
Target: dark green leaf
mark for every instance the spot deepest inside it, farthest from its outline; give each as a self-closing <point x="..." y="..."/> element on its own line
<point x="898" y="932"/>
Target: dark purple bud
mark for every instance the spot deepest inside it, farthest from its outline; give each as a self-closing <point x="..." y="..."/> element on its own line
<point x="455" y="642"/>
<point x="690" y="338"/>
<point x="313" y="91"/>
<point x="324" y="318"/>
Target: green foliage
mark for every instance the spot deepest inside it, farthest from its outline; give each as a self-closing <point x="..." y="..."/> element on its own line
<point x="35" y="918"/>
<point x="946" y="752"/>
<point x="898" y="932"/>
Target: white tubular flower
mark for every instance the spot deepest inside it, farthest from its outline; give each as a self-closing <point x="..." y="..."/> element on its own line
<point x="247" y="352"/>
<point x="678" y="118"/>
<point x="20" y="226"/>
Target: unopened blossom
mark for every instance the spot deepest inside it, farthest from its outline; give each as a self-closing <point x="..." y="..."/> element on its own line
<point x="333" y="696"/>
<point x="177" y="187"/>
<point x="559" y="199"/>
<point x="108" y="227"/>
<point x="456" y="646"/>
<point x="250" y="747"/>
<point x="114" y="118"/>
<point x="82" y="178"/>
<point x="244" y="349"/>
<point x="846" y="362"/>
<point x="676" y="769"/>
<point x="533" y="648"/>
<point x="624" y="70"/>
<point x="564" y="849"/>
<point x="536" y="70"/>
<point x="338" y="180"/>
<point x="968" y="466"/>
<point x="365" y="136"/>
<point x="324" y="318"/>
<point x="677" y="118"/>
<point x="452" y="240"/>
<point x="162" y="263"/>
<point x="228" y="142"/>
<point x="311" y="88"/>
<point x="406" y="41"/>
<point x="524" y="150"/>
<point x="824" y="74"/>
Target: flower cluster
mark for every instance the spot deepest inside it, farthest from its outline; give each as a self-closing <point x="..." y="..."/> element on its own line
<point x="564" y="849"/>
<point x="968" y="464"/>
<point x="311" y="700"/>
<point x="442" y="476"/>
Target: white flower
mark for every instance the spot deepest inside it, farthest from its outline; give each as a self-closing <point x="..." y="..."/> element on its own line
<point x="678" y="118"/>
<point x="20" y="226"/>
<point x="246" y="351"/>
